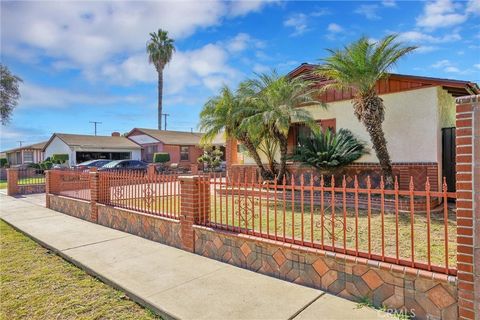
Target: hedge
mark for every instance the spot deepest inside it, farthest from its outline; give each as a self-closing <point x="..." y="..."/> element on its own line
<point x="59" y="158"/>
<point x="161" y="157"/>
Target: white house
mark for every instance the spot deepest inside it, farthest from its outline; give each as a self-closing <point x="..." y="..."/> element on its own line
<point x="82" y="148"/>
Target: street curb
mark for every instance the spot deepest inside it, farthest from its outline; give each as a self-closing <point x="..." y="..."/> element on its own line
<point x="134" y="297"/>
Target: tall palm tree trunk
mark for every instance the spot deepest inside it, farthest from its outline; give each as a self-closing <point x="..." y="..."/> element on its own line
<point x="160" y="97"/>
<point x="370" y="110"/>
<point x="283" y="143"/>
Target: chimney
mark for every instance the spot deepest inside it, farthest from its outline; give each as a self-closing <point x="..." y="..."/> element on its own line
<point x="115" y="134"/>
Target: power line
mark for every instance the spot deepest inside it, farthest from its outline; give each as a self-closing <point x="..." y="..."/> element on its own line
<point x="95" y="125"/>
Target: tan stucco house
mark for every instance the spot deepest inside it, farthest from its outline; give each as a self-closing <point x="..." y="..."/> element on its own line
<point x="27" y="154"/>
<point x="419" y="115"/>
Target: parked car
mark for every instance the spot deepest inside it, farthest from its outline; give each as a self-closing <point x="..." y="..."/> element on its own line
<point x="98" y="163"/>
<point x="125" y="165"/>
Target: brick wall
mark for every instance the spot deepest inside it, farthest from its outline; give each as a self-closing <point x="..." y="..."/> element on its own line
<point x="468" y="206"/>
<point x="419" y="172"/>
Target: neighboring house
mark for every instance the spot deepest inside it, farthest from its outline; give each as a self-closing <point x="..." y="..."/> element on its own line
<point x="419" y="126"/>
<point x="81" y="148"/>
<point x="184" y="147"/>
<point x="25" y="154"/>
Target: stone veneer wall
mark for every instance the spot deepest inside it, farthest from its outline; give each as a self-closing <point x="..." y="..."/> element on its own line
<point x="73" y="207"/>
<point x="159" y="229"/>
<point x="31" y="188"/>
<point x="428" y="295"/>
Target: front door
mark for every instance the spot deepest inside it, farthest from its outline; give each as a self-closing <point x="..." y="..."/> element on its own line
<point x="448" y="157"/>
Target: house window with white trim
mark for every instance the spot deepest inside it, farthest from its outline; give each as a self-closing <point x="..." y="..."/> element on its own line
<point x="184" y="153"/>
<point x="27" y="157"/>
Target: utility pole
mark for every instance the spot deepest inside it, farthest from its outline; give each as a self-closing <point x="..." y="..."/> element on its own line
<point x="20" y="142"/>
<point x="95" y="125"/>
<point x="165" y="115"/>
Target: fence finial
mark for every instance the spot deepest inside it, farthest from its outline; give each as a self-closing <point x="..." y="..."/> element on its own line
<point x="355" y="182"/>
<point x="369" y="183"/>
<point x="444" y="185"/>
<point x="322" y="182"/>
<point x="382" y="183"/>
<point x="332" y="181"/>
<point x="427" y="185"/>
<point x="344" y="182"/>
<point x="411" y="185"/>
<point x="396" y="183"/>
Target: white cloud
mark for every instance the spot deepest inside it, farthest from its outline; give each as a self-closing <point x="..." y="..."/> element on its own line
<point x="473" y="6"/>
<point x="441" y="63"/>
<point x="241" y="42"/>
<point x="389" y="3"/>
<point x="441" y="14"/>
<point x="369" y="11"/>
<point x="426" y="49"/>
<point x="449" y="67"/>
<point x="207" y="66"/>
<point x="260" y="68"/>
<point x="241" y="8"/>
<point x="477" y="65"/>
<point x="89" y="34"/>
<point x="40" y="96"/>
<point x="335" y="28"/>
<point x="298" y="22"/>
<point x="420" y="37"/>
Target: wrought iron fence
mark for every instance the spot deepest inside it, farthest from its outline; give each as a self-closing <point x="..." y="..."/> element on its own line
<point x="31" y="176"/>
<point x="70" y="183"/>
<point x="157" y="194"/>
<point x="415" y="228"/>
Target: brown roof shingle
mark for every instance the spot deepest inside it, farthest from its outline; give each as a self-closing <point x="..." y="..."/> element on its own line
<point x="173" y="137"/>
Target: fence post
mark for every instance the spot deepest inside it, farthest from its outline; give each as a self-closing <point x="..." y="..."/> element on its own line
<point x="48" y="181"/>
<point x="12" y="181"/>
<point x="468" y="206"/>
<point x="195" y="200"/>
<point x="94" y="194"/>
<point x="151" y="169"/>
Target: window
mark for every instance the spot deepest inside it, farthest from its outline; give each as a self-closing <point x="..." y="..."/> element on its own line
<point x="27" y="157"/>
<point x="184" y="153"/>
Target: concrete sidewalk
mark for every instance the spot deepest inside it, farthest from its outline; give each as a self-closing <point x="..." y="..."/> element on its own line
<point x="174" y="283"/>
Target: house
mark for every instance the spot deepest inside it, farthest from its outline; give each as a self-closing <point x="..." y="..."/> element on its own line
<point x="82" y="148"/>
<point x="184" y="147"/>
<point x="419" y="127"/>
<point x="25" y="154"/>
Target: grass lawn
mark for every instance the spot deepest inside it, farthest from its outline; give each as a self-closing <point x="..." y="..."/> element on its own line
<point x="37" y="284"/>
<point x="3" y="183"/>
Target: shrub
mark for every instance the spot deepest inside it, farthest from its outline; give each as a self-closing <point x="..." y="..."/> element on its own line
<point x="3" y="162"/>
<point x="161" y="157"/>
<point x="211" y="158"/>
<point x="327" y="151"/>
<point x="59" y="158"/>
<point x="46" y="165"/>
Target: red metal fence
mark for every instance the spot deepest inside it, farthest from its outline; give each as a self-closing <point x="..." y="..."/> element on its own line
<point x="156" y="194"/>
<point x="415" y="228"/>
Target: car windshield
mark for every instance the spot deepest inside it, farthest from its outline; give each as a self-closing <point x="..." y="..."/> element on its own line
<point x="112" y="164"/>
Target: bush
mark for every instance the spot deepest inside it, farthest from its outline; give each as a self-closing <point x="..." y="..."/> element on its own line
<point x="59" y="158"/>
<point x="35" y="165"/>
<point x="211" y="158"/>
<point x="3" y="162"/>
<point x="46" y="165"/>
<point x="327" y="151"/>
<point x="161" y="157"/>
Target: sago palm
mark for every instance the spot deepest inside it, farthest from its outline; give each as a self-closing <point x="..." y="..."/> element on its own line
<point x="160" y="49"/>
<point x="329" y="151"/>
<point x="224" y="113"/>
<point x="277" y="102"/>
<point x="359" y="66"/>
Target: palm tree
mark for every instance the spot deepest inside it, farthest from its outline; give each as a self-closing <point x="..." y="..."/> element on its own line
<point x="277" y="102"/>
<point x="359" y="66"/>
<point x="224" y="113"/>
<point x="160" y="49"/>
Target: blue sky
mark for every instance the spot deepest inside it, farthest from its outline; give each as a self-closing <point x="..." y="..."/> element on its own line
<point x="85" y="61"/>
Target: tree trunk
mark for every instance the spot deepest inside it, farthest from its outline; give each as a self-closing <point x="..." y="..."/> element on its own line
<point x="370" y="110"/>
<point x="160" y="97"/>
<point x="283" y="142"/>
<point x="266" y="175"/>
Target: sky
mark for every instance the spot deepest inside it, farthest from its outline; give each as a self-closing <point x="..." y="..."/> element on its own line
<point x="86" y="61"/>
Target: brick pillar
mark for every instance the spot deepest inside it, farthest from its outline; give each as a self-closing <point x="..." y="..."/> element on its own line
<point x="231" y="155"/>
<point x="194" y="207"/>
<point x="151" y="169"/>
<point x="94" y="194"/>
<point x="468" y="206"/>
<point x="12" y="181"/>
<point x="48" y="180"/>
